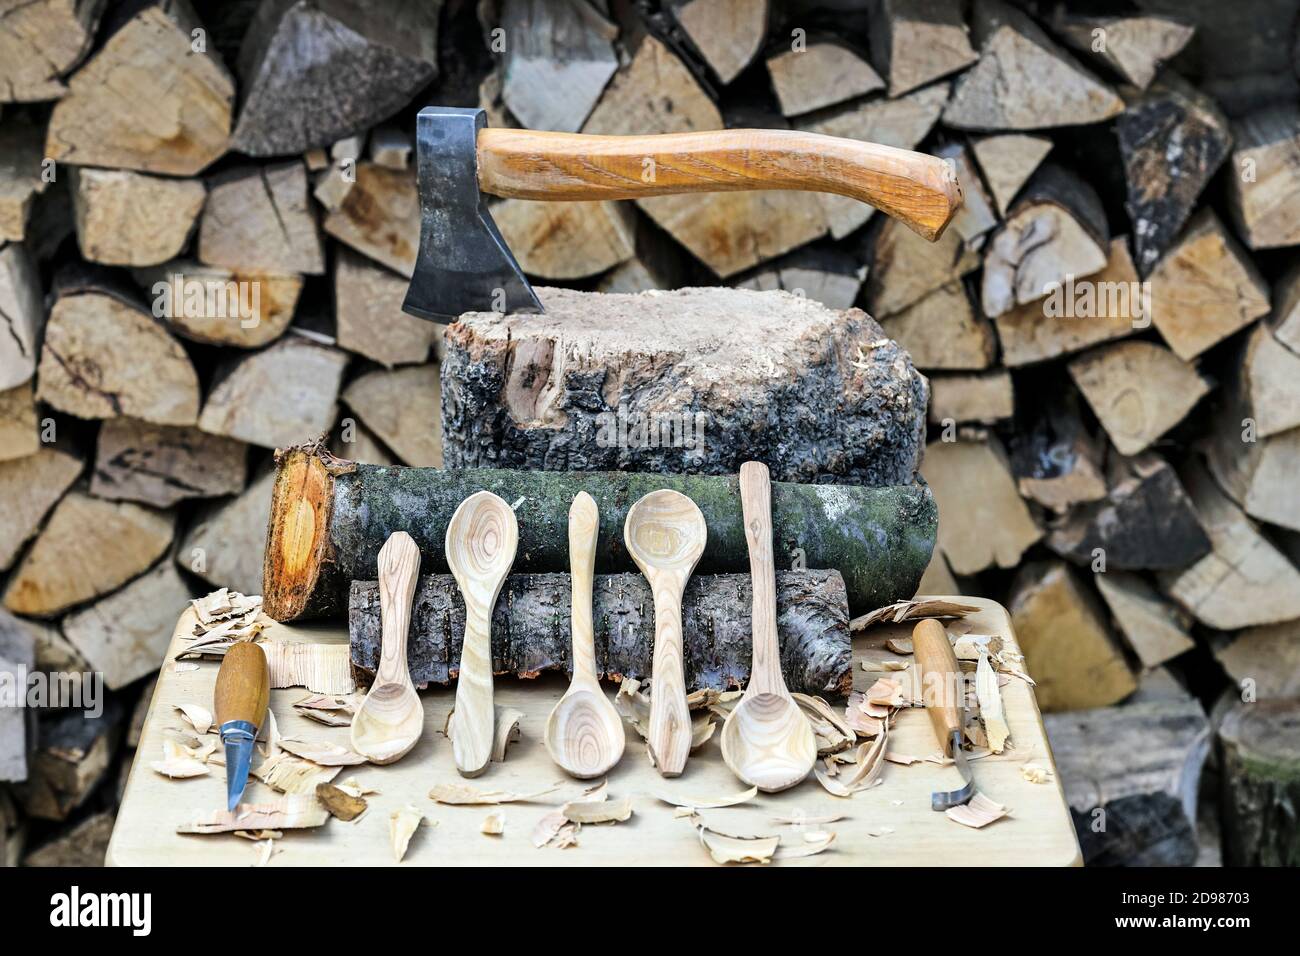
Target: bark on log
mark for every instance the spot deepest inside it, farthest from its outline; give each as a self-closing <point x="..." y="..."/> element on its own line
<point x="314" y="73"/>
<point x="820" y="74"/>
<point x="258" y="219"/>
<point x="22" y="148"/>
<point x="1261" y="783"/>
<point x="531" y="629"/>
<point x="676" y="381"/>
<point x="22" y="315"/>
<point x="40" y="41"/>
<point x="1164" y="183"/>
<point x="160" y="465"/>
<point x="1138" y="764"/>
<point x="146" y="100"/>
<point x="329" y="518"/>
<point x="1008" y="162"/>
<point x="131" y="219"/>
<point x="402" y="408"/>
<point x="1264" y="195"/>
<point x="219" y="306"/>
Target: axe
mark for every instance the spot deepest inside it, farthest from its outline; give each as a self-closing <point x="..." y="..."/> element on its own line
<point x="465" y="266"/>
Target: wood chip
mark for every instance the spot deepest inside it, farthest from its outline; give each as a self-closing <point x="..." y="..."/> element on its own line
<point x="333" y="710"/>
<point x="494" y="824"/>
<point x="899" y="645"/>
<point x="461" y="794"/>
<point x="1035" y="772"/>
<point x="293" y="811"/>
<point x="733" y="849"/>
<point x="708" y="803"/>
<point x="978" y="813"/>
<point x="831" y="730"/>
<point x="910" y="611"/>
<point x="198" y="717"/>
<point x="322" y="752"/>
<point x="597" y="811"/>
<point x="402" y="825"/>
<point x="291" y="774"/>
<point x="633" y="705"/>
<point x="555" y="830"/>
<point x="339" y="802"/>
<point x="179" y="762"/>
<point x="990" y="701"/>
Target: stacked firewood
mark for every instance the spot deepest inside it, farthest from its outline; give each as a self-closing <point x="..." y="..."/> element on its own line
<point x="208" y="216"/>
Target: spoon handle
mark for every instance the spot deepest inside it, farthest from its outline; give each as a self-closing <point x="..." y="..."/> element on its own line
<point x="399" y="565"/>
<point x="472" y="723"/>
<point x="584" y="525"/>
<point x="670" y="718"/>
<point x="756" y="503"/>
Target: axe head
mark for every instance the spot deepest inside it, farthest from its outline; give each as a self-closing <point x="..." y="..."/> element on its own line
<point x="463" y="264"/>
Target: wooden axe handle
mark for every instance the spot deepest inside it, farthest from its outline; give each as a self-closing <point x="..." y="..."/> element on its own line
<point x="919" y="190"/>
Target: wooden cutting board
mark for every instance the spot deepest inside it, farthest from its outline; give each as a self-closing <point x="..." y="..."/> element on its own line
<point x="1038" y="831"/>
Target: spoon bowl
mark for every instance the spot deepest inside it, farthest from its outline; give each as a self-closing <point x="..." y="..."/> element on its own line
<point x="768" y="742"/>
<point x="390" y="719"/>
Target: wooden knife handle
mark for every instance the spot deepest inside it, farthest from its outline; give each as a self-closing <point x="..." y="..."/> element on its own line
<point x="243" y="689"/>
<point x="919" y="190"/>
<point x="941" y="681"/>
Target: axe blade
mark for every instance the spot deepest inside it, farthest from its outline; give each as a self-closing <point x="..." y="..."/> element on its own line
<point x="463" y="265"/>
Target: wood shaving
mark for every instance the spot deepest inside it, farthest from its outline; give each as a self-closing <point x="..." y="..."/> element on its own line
<point x="910" y="611"/>
<point x="869" y="763"/>
<point x="341" y="803"/>
<point x="831" y="730"/>
<point x="885" y="692"/>
<point x="505" y="731"/>
<point x="860" y="723"/>
<point x="258" y="835"/>
<point x="873" y="667"/>
<point x="323" y="668"/>
<point x="879" y="831"/>
<point x="831" y="785"/>
<point x="402" y="825"/>
<point x="288" y="773"/>
<point x="555" y="830"/>
<point x="272" y="734"/>
<point x="813" y="842"/>
<point x="735" y="849"/>
<point x="293" y="811"/>
<point x="978" y="813"/>
<point x="333" y="710"/>
<point x="859" y="704"/>
<point x="899" y="645"/>
<point x="905" y="760"/>
<point x="494" y="824"/>
<point x="322" y="752"/>
<point x="184" y="667"/>
<point x="633" y="705"/>
<point x="197" y="716"/>
<point x="798" y="819"/>
<point x="1035" y="773"/>
<point x="969" y="647"/>
<point x="265" y="849"/>
<point x="353" y="788"/>
<point x="461" y="794"/>
<point x="708" y="803"/>
<point x="597" y="811"/>
<point x="179" y="762"/>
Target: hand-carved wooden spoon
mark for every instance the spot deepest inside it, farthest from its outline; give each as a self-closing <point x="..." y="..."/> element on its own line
<point x="481" y="542"/>
<point x="665" y="534"/>
<point x="766" y="740"/>
<point x="584" y="733"/>
<point x="389" y="721"/>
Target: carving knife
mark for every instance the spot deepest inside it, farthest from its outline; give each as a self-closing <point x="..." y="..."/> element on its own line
<point x="240" y="700"/>
<point x="942" y="690"/>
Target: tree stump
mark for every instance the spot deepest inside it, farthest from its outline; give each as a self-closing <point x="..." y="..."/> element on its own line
<point x="694" y="381"/>
<point x="1259" y="746"/>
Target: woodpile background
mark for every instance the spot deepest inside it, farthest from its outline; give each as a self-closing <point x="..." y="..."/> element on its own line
<point x="1111" y="330"/>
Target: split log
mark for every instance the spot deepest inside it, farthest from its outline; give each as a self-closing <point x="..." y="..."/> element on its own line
<point x="85" y="845"/>
<point x="17" y="659"/>
<point x="1057" y="463"/>
<point x="41" y="41"/>
<point x="1264" y="195"/>
<point x="656" y="264"/>
<point x="88" y="548"/>
<point x="1008" y="162"/>
<point x="95" y="346"/>
<point x="390" y="147"/>
<point x="1110" y="304"/>
<point x="673" y="381"/>
<point x="531" y="629"/>
<point x="942" y="331"/>
<point x="368" y="316"/>
<point x="558" y="58"/>
<point x="225" y="544"/>
<point x="1264" y="662"/>
<point x="311" y="74"/>
<point x="258" y="219"/>
<point x="653" y="93"/>
<point x="22" y="148"/>
<point x="131" y="219"/>
<point x="1269" y="376"/>
<point x="1023" y="80"/>
<point x="285" y="393"/>
<point x="985" y="522"/>
<point x="403" y="408"/>
<point x="219" y="306"/>
<point x="378" y="215"/>
<point x="901" y="123"/>
<point x="1131" y="775"/>
<point x="22" y="315"/>
<point x="823" y="274"/>
<point x="29" y="488"/>
<point x="820" y="74"/>
<point x="160" y="465"/>
<point x="1069" y="650"/>
<point x="1260" y="783"/>
<point x="125" y="635"/>
<point x="728" y="33"/>
<point x="1244" y="580"/>
<point x="1205" y="289"/>
<point x="18" y="435"/>
<point x="917" y="41"/>
<point x="879" y="539"/>
<point x="74" y="754"/>
<point x="1285" y="320"/>
<point x="1154" y="629"/>
<point x="146" y="100"/>
<point x="976" y="216"/>
<point x="971" y="398"/>
<point x="906" y="268"/>
<point x="1135" y="46"/>
<point x="1137" y="390"/>
<point x="1055" y="230"/>
<point x="1164" y="183"/>
<point x="1146" y="521"/>
<point x="567" y="240"/>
